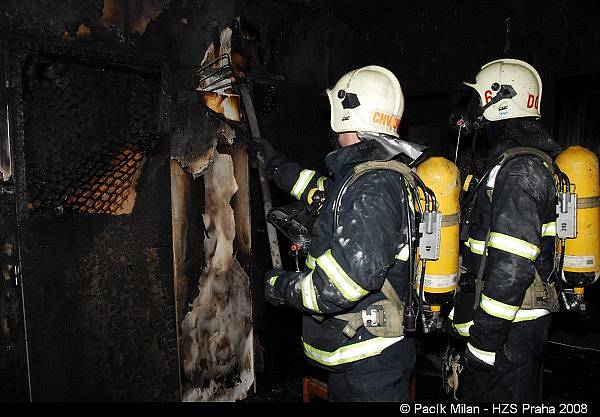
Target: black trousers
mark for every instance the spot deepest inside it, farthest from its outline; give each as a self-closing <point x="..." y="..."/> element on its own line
<point x="522" y="383"/>
<point x="385" y="377"/>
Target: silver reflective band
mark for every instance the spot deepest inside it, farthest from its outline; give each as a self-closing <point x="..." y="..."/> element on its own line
<point x="350" y="353"/>
<point x="310" y="262"/>
<point x="513" y="245"/>
<point x="321" y="183"/>
<point x="483" y="355"/>
<point x="476" y="246"/>
<point x="492" y="178"/>
<point x="302" y="182"/>
<point x="309" y="295"/>
<point x="272" y="280"/>
<point x="526" y="315"/>
<point x="451" y="314"/>
<point x="463" y="328"/>
<point x="404" y="253"/>
<point x="497" y="309"/>
<point x="346" y="285"/>
<point x="549" y="229"/>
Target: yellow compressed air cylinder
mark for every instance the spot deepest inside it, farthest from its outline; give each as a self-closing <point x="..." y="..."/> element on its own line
<point x="443" y="178"/>
<point x="581" y="265"/>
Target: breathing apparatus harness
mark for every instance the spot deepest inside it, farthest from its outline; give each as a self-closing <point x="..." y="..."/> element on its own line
<point x="391" y="316"/>
<point x="395" y="313"/>
<point x="541" y="294"/>
<point x="566" y="207"/>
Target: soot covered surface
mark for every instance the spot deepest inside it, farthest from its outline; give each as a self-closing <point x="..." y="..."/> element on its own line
<point x="99" y="293"/>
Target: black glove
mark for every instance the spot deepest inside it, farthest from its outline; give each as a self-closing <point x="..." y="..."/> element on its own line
<point x="271" y="294"/>
<point x="507" y="361"/>
<point x="260" y="145"/>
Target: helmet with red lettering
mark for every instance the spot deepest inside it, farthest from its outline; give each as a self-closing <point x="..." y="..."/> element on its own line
<point x="368" y="99"/>
<point x="507" y="89"/>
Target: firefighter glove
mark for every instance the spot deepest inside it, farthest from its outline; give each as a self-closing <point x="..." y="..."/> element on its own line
<point x="272" y="294"/>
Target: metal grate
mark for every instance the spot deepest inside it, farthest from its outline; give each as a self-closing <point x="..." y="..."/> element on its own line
<point x="104" y="191"/>
<point x="87" y="145"/>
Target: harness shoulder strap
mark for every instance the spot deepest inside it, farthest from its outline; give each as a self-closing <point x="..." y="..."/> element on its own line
<point x="362" y="169"/>
<point x="387" y="289"/>
<point x="391" y="165"/>
<point x="501" y="161"/>
<point x="525" y="150"/>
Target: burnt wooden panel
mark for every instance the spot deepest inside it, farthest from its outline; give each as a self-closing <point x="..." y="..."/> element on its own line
<point x="214" y="311"/>
<point x="13" y="358"/>
<point x="99" y="293"/>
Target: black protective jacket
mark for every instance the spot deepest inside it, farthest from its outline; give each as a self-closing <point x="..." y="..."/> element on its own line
<point x="347" y="263"/>
<point x="518" y="225"/>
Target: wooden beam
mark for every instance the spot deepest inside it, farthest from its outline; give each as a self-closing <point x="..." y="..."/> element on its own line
<point x="241" y="206"/>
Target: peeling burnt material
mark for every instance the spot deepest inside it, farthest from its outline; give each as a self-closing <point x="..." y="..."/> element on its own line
<point x="216" y="340"/>
<point x="215" y="333"/>
<point x="194" y="133"/>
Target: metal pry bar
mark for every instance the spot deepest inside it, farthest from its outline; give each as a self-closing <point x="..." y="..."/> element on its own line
<point x="225" y="72"/>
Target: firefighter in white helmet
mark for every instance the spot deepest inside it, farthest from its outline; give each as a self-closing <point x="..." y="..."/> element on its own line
<point x="356" y="274"/>
<point x="507" y="293"/>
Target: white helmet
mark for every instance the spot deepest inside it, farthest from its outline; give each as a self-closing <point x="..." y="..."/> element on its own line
<point x="508" y="88"/>
<point x="368" y="99"/>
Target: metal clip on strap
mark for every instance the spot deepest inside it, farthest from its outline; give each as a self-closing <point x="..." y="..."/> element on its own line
<point x="382" y="319"/>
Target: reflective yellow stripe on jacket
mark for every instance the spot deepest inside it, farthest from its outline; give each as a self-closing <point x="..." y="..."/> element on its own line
<point x="483" y="355"/>
<point x="310" y="262"/>
<point x="350" y="353"/>
<point x="302" y="182"/>
<point x="498" y="309"/>
<point x="404" y="253"/>
<point x="527" y="315"/>
<point x="321" y="183"/>
<point x="309" y="295"/>
<point x="476" y="246"/>
<point x="463" y="328"/>
<point x="349" y="289"/>
<point x="549" y="229"/>
<point x="513" y="245"/>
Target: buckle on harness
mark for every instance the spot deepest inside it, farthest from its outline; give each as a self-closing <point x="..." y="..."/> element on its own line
<point x="374" y="316"/>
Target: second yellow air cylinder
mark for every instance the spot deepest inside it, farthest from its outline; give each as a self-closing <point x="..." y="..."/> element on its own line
<point x="443" y="178"/>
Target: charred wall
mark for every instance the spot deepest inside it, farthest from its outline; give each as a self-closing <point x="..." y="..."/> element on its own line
<point x="96" y="251"/>
<point x="101" y="289"/>
<point x="293" y="50"/>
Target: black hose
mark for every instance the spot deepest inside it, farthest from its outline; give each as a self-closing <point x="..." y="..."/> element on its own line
<point x="409" y="323"/>
<point x="559" y="286"/>
<point x="422" y="286"/>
